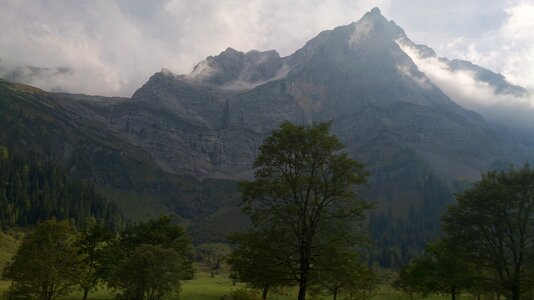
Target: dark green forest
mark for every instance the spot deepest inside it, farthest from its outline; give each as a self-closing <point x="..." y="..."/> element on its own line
<point x="397" y="239"/>
<point x="32" y="191"/>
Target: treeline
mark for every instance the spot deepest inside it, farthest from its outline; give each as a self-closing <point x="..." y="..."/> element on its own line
<point x="146" y="261"/>
<point x="32" y="190"/>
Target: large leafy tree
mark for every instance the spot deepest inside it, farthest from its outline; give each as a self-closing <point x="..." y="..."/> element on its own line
<point x="259" y="258"/>
<point x="90" y="244"/>
<point x="150" y="272"/>
<point x="46" y="264"/>
<point x="149" y="260"/>
<point x="305" y="187"/>
<point x="493" y="224"/>
<point x="341" y="271"/>
<point x="440" y="269"/>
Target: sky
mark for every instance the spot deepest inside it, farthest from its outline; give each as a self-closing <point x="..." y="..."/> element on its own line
<point x="112" y="47"/>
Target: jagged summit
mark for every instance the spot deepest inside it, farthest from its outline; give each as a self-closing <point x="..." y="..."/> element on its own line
<point x="375" y="11"/>
<point x="236" y="70"/>
<point x="374" y="14"/>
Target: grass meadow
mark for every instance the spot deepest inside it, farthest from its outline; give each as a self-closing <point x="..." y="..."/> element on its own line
<point x="207" y="287"/>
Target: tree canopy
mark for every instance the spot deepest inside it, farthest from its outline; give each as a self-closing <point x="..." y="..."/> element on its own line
<point x="259" y="258"/>
<point x="492" y="224"/>
<point x="151" y="272"/>
<point x="440" y="269"/>
<point x="304" y="188"/>
<point x="149" y="260"/>
<point x="46" y="264"/>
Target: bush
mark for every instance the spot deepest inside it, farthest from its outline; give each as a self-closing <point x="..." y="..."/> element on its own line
<point x="241" y="294"/>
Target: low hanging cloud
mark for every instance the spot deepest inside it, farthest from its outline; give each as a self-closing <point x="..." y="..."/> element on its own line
<point x="508" y="49"/>
<point x="112" y="47"/>
<point x="464" y="88"/>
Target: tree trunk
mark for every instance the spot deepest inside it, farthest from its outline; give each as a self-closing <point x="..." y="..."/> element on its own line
<point x="335" y="294"/>
<point x="303" y="280"/>
<point x="515" y="292"/>
<point x="264" y="293"/>
<point x="85" y="293"/>
<point x="303" y="284"/>
<point x="453" y="293"/>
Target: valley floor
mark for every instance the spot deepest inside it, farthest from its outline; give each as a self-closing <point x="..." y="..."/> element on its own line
<point x="206" y="287"/>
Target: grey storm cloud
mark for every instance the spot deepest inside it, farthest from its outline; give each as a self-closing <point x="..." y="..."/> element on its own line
<point x="112" y="47"/>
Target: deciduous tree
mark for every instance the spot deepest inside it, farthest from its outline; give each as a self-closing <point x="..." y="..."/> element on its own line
<point x="90" y="245"/>
<point x="305" y="187"/>
<point x="150" y="272"/>
<point x="493" y="225"/>
<point x="260" y="258"/>
<point x="440" y="269"/>
<point x="149" y="260"/>
<point x="341" y="271"/>
<point x="46" y="264"/>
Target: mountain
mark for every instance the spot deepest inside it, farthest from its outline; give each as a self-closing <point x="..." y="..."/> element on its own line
<point x="69" y="130"/>
<point x="181" y="141"/>
<point x="355" y="75"/>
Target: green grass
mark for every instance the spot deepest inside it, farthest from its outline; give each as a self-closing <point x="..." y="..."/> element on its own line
<point x="8" y="248"/>
<point x="206" y="286"/>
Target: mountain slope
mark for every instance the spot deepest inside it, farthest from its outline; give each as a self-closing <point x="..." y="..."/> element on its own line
<point x="67" y="129"/>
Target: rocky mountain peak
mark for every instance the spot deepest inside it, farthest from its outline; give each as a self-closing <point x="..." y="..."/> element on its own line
<point x="374" y="15"/>
<point x="236" y="70"/>
<point x="378" y="25"/>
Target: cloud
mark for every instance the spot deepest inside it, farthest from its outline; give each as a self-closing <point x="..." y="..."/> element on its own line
<point x="508" y="49"/>
<point x="112" y="47"/>
<point x="463" y="87"/>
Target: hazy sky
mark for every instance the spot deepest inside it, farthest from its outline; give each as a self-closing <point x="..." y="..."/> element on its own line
<point x="112" y="47"/>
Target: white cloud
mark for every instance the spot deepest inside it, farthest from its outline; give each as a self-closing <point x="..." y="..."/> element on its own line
<point x="463" y="87"/>
<point x="508" y="50"/>
<point x="112" y="47"/>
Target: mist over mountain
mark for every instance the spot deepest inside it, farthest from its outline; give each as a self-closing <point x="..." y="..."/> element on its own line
<point x="184" y="140"/>
<point x="476" y="88"/>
